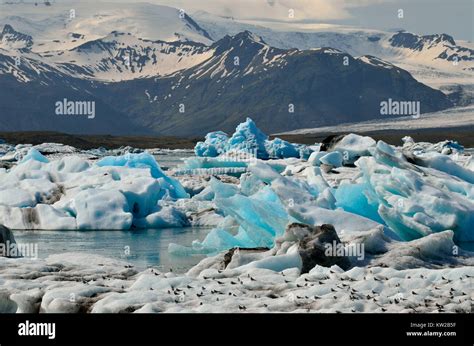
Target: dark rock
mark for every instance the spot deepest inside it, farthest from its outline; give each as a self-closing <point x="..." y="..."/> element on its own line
<point x="328" y="143"/>
<point x="6" y="239"/>
<point x="6" y="165"/>
<point x="313" y="246"/>
<point x="229" y="254"/>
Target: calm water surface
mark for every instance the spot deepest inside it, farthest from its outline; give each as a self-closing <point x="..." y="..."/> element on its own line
<point x="142" y="248"/>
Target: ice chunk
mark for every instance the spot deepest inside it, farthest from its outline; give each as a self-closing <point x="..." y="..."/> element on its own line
<point x="415" y="202"/>
<point x="445" y="147"/>
<point x="333" y="159"/>
<point x="34" y="154"/>
<point x="142" y="193"/>
<point x="43" y="216"/>
<point x="314" y="158"/>
<point x="16" y="197"/>
<point x="196" y="163"/>
<point x="222" y="190"/>
<point x="445" y="164"/>
<point x="351" y="198"/>
<point x="50" y="218"/>
<point x="248" y="138"/>
<point x="291" y="259"/>
<point x="344" y="222"/>
<point x="353" y="146"/>
<point x="262" y="220"/>
<point x="99" y="209"/>
<point x="214" y="145"/>
<point x="69" y="164"/>
<point x="167" y="217"/>
<point x="279" y="149"/>
<point x="145" y="160"/>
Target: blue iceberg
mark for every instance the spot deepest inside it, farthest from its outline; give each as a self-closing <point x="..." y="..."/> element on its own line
<point x="214" y="144"/>
<point x="248" y="138"/>
<point x="34" y="154"/>
<point x="145" y="161"/>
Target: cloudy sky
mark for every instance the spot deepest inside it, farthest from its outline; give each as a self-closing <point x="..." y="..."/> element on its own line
<point x="454" y="17"/>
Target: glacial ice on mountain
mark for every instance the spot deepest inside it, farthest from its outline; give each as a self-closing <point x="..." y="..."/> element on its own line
<point x="248" y="138"/>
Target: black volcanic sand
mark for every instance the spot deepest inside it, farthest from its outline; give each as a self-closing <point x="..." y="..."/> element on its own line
<point x="464" y="136"/>
<point x="96" y="141"/>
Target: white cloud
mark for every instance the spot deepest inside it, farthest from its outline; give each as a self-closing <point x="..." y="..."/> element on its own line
<point x="272" y="9"/>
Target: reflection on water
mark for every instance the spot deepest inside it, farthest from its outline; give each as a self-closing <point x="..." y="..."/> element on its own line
<point x="467" y="245"/>
<point x="169" y="160"/>
<point x="142" y="248"/>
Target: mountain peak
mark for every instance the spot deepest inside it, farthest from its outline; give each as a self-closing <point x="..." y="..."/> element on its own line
<point x="14" y="39"/>
<point x="242" y="38"/>
<point x="7" y="28"/>
<point x="248" y="35"/>
<point x="416" y="42"/>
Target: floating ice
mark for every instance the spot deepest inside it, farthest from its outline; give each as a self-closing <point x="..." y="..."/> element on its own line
<point x="214" y="145"/>
<point x="280" y="149"/>
<point x="71" y="193"/>
<point x="333" y="159"/>
<point x="353" y="146"/>
<point x="145" y="160"/>
<point x="166" y="217"/>
<point x="315" y="156"/>
<point x="248" y="138"/>
<point x="96" y="209"/>
<point x="34" y="154"/>
<point x="415" y="202"/>
<point x="352" y="198"/>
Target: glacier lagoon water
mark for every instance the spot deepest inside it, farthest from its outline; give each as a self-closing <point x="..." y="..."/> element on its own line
<point x="147" y="247"/>
<point x="142" y="248"/>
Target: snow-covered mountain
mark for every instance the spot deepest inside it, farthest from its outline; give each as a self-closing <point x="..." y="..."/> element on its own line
<point x="279" y="88"/>
<point x="207" y="87"/>
<point x="12" y="39"/>
<point x="122" y="56"/>
<point x="68" y="24"/>
<point x="437" y="60"/>
<point x="138" y="69"/>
